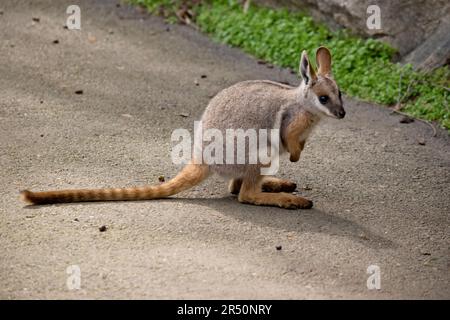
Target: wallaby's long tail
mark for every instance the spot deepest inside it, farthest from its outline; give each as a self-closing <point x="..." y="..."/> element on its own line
<point x="191" y="175"/>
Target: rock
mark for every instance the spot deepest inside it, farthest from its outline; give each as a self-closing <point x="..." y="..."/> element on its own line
<point x="421" y="141"/>
<point x="434" y="51"/>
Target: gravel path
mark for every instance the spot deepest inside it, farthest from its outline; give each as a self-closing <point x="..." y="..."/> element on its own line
<point x="380" y="197"/>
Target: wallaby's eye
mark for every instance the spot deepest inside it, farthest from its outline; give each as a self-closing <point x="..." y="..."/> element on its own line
<point x="323" y="99"/>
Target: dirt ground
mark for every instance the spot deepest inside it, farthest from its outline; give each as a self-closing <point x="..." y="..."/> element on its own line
<point x="380" y="197"/>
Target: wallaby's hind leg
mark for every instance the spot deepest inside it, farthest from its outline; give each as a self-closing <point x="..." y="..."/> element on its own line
<point x="272" y="184"/>
<point x="269" y="184"/>
<point x="235" y="185"/>
<point x="251" y="193"/>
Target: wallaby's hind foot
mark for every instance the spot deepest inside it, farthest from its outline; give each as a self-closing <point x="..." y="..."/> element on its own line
<point x="251" y="194"/>
<point x="269" y="184"/>
<point x="272" y="184"/>
<point x="282" y="200"/>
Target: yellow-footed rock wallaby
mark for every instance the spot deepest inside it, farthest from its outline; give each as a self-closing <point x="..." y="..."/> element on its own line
<point x="294" y="111"/>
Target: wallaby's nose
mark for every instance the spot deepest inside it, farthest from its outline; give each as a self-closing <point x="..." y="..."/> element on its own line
<point x="341" y="114"/>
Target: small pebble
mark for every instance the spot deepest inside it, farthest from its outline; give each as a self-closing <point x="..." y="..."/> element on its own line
<point x="79" y="92"/>
<point x="406" y="119"/>
<point x="278" y="248"/>
<point x="55" y="41"/>
<point x="161" y="179"/>
<point x="363" y="236"/>
<point x="102" y="229"/>
<point x="36" y="19"/>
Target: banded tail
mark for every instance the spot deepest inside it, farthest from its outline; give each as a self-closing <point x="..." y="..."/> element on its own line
<point x="191" y="175"/>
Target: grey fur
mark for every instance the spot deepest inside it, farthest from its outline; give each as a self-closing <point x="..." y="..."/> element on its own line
<point x="259" y="104"/>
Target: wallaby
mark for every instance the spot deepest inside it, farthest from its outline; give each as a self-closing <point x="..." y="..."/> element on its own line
<point x="257" y="105"/>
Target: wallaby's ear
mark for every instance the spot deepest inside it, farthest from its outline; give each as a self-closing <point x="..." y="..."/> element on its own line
<point x="306" y="70"/>
<point x="323" y="59"/>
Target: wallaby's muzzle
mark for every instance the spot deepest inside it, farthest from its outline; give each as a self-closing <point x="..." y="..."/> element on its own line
<point x="340" y="114"/>
<point x="337" y="111"/>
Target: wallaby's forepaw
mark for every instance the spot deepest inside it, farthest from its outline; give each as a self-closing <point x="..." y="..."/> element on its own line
<point x="279" y="185"/>
<point x="294" y="157"/>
